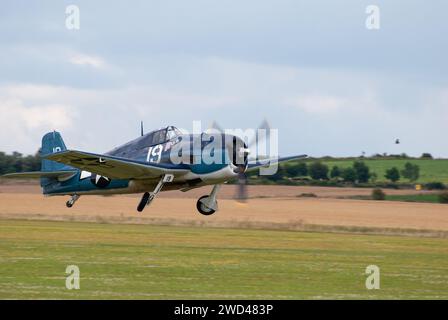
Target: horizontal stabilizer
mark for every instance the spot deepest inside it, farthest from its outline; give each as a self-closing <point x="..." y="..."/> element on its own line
<point x="61" y="175"/>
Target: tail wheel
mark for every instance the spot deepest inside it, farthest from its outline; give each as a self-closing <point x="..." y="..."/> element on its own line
<point x="72" y="200"/>
<point x="203" y="209"/>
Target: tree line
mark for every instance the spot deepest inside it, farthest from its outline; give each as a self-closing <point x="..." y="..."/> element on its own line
<point x="17" y="162"/>
<point x="359" y="172"/>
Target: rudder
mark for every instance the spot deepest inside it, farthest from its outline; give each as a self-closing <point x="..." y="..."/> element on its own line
<point x="52" y="142"/>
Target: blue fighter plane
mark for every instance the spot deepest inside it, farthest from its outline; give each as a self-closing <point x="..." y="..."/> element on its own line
<point x="145" y="165"/>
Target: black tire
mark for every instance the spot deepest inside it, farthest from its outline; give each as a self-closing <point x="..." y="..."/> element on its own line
<point x="143" y="202"/>
<point x="203" y="209"/>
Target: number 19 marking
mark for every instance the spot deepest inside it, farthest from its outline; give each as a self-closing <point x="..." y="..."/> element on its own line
<point x="154" y="154"/>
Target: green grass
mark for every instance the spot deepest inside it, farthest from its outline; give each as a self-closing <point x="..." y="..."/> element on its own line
<point x="430" y="198"/>
<point x="154" y="262"/>
<point x="430" y="170"/>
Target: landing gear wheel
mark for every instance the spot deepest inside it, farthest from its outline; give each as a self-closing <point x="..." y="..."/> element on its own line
<point x="72" y="201"/>
<point x="143" y="202"/>
<point x="203" y="209"/>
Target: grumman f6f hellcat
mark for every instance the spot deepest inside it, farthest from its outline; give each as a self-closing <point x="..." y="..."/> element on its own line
<point x="164" y="158"/>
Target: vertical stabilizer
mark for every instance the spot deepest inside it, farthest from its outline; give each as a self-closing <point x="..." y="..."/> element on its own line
<point x="52" y="143"/>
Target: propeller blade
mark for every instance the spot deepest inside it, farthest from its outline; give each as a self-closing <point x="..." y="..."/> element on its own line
<point x="265" y="126"/>
<point x="241" y="192"/>
<point x="215" y="127"/>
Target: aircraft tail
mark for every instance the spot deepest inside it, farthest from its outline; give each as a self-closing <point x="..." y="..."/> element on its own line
<point x="52" y="142"/>
<point x="51" y="171"/>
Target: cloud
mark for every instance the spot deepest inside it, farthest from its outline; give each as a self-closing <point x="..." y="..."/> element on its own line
<point x="87" y="60"/>
<point x="21" y="123"/>
<point x="344" y="105"/>
<point x="306" y="66"/>
<point x="46" y="116"/>
<point x="319" y="104"/>
<point x="94" y="119"/>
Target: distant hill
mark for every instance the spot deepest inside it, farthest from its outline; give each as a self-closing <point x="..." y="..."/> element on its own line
<point x="430" y="170"/>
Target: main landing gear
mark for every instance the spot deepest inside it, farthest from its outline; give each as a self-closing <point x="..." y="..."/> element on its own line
<point x="208" y="205"/>
<point x="72" y="201"/>
<point x="148" y="197"/>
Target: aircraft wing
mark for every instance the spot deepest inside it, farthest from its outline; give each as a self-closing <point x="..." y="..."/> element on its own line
<point x="112" y="167"/>
<point x="266" y="162"/>
<point x="64" y="174"/>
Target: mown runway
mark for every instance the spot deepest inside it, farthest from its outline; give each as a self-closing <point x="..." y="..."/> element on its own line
<point x="163" y="262"/>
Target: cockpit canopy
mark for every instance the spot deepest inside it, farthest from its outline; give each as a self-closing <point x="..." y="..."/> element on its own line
<point x="160" y="136"/>
<point x="152" y="138"/>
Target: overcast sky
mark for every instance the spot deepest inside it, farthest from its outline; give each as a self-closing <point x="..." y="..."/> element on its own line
<point x="312" y="68"/>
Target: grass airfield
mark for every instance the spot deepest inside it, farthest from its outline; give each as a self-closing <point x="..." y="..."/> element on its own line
<point x="171" y="252"/>
<point x="120" y="261"/>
